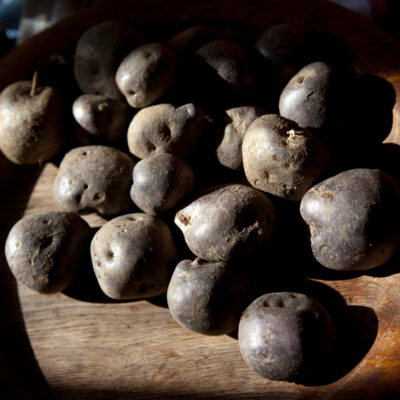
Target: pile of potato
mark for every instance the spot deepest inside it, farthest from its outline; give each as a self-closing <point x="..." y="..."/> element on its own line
<point x="193" y="149"/>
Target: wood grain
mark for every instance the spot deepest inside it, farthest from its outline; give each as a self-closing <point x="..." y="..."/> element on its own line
<point x="64" y="347"/>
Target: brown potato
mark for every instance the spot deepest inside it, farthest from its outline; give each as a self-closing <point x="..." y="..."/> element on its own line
<point x="286" y="336"/>
<point x="281" y="158"/>
<point x="133" y="256"/>
<point x="165" y="129"/>
<point x="32" y="126"/>
<point x="98" y="54"/>
<point x="94" y="178"/>
<point x="146" y="74"/>
<point x="227" y="222"/>
<point x="45" y="251"/>
<point x="354" y="219"/>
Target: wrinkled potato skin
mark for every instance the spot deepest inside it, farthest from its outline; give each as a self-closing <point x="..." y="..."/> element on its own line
<point x="103" y="120"/>
<point x="286" y="336"/>
<point x="162" y="128"/>
<point x="208" y="297"/>
<point x="133" y="256"/>
<point x="44" y="251"/>
<point x="98" y="54"/>
<point x="228" y="222"/>
<point x="95" y="178"/>
<point x="146" y="74"/>
<point x="229" y="152"/>
<point x="32" y="128"/>
<point x="160" y="182"/>
<point x="354" y="219"/>
<point x="281" y="158"/>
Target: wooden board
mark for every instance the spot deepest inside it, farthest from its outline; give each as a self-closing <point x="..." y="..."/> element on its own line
<point x="65" y="347"/>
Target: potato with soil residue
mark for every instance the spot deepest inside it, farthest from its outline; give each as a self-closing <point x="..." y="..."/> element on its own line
<point x="286" y="336"/>
<point x="208" y="297"/>
<point x="281" y="158"/>
<point x="354" y="219"/>
<point x="164" y="128"/>
<point x="45" y="251"/>
<point x="94" y="178"/>
<point x="227" y="222"/>
<point x="133" y="256"/>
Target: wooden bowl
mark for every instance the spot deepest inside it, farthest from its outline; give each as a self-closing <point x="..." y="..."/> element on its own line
<point x="82" y="348"/>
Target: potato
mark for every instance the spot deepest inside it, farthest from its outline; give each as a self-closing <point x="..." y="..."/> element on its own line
<point x="227" y="222"/>
<point x="160" y="182"/>
<point x="165" y="129"/>
<point x="318" y="96"/>
<point x="286" y="336"/>
<point x="146" y="74"/>
<point x="32" y="125"/>
<point x="229" y="151"/>
<point x="99" y="52"/>
<point x="354" y="219"/>
<point x="208" y="297"/>
<point x="94" y="178"/>
<point x="133" y="256"/>
<point x="103" y="120"/>
<point x="45" y="250"/>
<point x="281" y="158"/>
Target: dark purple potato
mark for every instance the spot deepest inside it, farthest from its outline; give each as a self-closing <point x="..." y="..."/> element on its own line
<point x="46" y="250"/>
<point x="94" y="178"/>
<point x="281" y="158"/>
<point x="354" y="219"/>
<point x="103" y="120"/>
<point x="98" y="54"/>
<point x="32" y="125"/>
<point x="164" y="128"/>
<point x="146" y="74"/>
<point x="318" y="96"/>
<point x="160" y="182"/>
<point x="133" y="256"/>
<point x="286" y="336"/>
<point x="227" y="222"/>
<point x="229" y="152"/>
<point x="208" y="297"/>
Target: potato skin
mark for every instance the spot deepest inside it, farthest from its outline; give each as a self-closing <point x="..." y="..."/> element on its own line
<point x="99" y="52"/>
<point x="164" y="128"/>
<point x="230" y="221"/>
<point x="286" y="336"/>
<point x="133" y="256"/>
<point x="96" y="178"/>
<point x="281" y="158"/>
<point x="208" y="297"/>
<point x="354" y="219"/>
<point x="32" y="128"/>
<point x="160" y="182"/>
<point x="44" y="250"/>
<point x="146" y="74"/>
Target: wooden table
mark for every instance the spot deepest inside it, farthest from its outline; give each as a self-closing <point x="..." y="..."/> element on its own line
<point x="85" y="348"/>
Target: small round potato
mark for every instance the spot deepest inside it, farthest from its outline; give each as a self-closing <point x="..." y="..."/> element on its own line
<point x="146" y="74"/>
<point x="103" y="120"/>
<point x="165" y="129"/>
<point x="94" y="178"/>
<point x="354" y="219"/>
<point x="45" y="251"/>
<point x="229" y="152"/>
<point x="133" y="256"/>
<point x="227" y="222"/>
<point x="160" y="182"/>
<point x="32" y="126"/>
<point x="281" y="158"/>
<point x="286" y="336"/>
<point x="98" y="54"/>
<point x="208" y="297"/>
